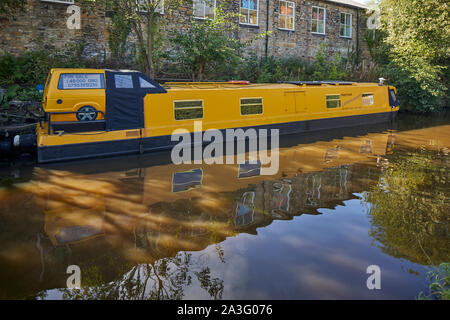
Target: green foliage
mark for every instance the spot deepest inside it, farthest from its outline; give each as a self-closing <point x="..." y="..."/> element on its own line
<point x="409" y="213"/>
<point x="119" y="30"/>
<point x="439" y="278"/>
<point x="19" y="75"/>
<point x="273" y="69"/>
<point x="412" y="48"/>
<point x="326" y="68"/>
<point x="208" y="43"/>
<point x="145" y="21"/>
<point x="9" y="7"/>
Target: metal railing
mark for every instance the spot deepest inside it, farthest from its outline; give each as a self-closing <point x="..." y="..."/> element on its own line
<point x="65" y="112"/>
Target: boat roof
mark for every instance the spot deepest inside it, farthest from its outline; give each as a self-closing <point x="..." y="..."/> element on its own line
<point x="281" y="85"/>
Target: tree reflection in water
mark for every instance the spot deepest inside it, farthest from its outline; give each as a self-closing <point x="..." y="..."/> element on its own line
<point x="410" y="208"/>
<point x="165" y="279"/>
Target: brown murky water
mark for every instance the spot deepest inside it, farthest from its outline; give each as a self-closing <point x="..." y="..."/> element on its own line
<point x="142" y="228"/>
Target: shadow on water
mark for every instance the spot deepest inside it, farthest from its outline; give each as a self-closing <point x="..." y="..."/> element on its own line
<point x="141" y="227"/>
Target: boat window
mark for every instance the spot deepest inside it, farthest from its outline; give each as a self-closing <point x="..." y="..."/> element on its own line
<point x="123" y="81"/>
<point x="70" y="81"/>
<point x="251" y="106"/>
<point x="192" y="109"/>
<point x="145" y="84"/>
<point x="334" y="101"/>
<point x="367" y="99"/>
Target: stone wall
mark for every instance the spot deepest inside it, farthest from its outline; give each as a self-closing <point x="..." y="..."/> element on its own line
<point x="43" y="24"/>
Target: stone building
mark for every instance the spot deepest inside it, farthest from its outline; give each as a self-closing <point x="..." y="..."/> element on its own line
<point x="297" y="27"/>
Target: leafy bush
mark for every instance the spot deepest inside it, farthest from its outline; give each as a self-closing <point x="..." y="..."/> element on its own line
<point x="208" y="44"/>
<point x="328" y="68"/>
<point x="439" y="279"/>
<point x="410" y="49"/>
<point x="273" y="69"/>
<point x="19" y="75"/>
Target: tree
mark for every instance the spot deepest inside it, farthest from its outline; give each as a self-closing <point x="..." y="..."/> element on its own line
<point x="8" y="7"/>
<point x="144" y="17"/>
<point x="417" y="38"/>
<point x="210" y="43"/>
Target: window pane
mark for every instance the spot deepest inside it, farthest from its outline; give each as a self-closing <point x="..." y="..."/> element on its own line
<point x="145" y="84"/>
<point x="321" y="27"/>
<point x="290" y="9"/>
<point x="333" y="101"/>
<point x="81" y="81"/>
<point x="199" y="8"/>
<point x="253" y="17"/>
<point x="290" y="23"/>
<point x="123" y="81"/>
<point x="244" y="4"/>
<point x="256" y="109"/>
<point x="243" y="18"/>
<point x="251" y="106"/>
<point x="367" y="99"/>
<point x="282" y="7"/>
<point x="188" y="104"/>
<point x="321" y="14"/>
<point x="342" y="30"/>
<point x="348" y="32"/>
<point x="282" y="21"/>
<point x="188" y="110"/>
<point x="209" y="9"/>
<point x="314" y="26"/>
<point x="252" y="4"/>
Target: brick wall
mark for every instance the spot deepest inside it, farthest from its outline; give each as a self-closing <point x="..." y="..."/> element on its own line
<point x="43" y="24"/>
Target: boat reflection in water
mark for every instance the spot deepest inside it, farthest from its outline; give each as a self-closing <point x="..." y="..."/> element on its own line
<point x="149" y="231"/>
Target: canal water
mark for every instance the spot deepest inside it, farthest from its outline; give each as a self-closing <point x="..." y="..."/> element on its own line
<point x="140" y="227"/>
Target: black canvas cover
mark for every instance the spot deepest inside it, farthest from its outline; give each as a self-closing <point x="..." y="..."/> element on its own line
<point x="393" y="100"/>
<point x="125" y="92"/>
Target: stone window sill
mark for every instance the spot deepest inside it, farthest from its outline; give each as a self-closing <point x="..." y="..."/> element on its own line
<point x="248" y="25"/>
<point x="284" y="29"/>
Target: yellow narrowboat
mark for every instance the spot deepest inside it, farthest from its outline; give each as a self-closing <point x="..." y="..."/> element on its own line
<point x="97" y="112"/>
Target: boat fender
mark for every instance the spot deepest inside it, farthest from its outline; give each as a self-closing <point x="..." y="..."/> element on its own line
<point x="24" y="142"/>
<point x="16" y="141"/>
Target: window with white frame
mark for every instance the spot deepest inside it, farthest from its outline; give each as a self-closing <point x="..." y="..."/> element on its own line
<point x="248" y="11"/>
<point x="204" y="9"/>
<point x="286" y="17"/>
<point x="160" y="7"/>
<point x="318" y="20"/>
<point x="346" y="25"/>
